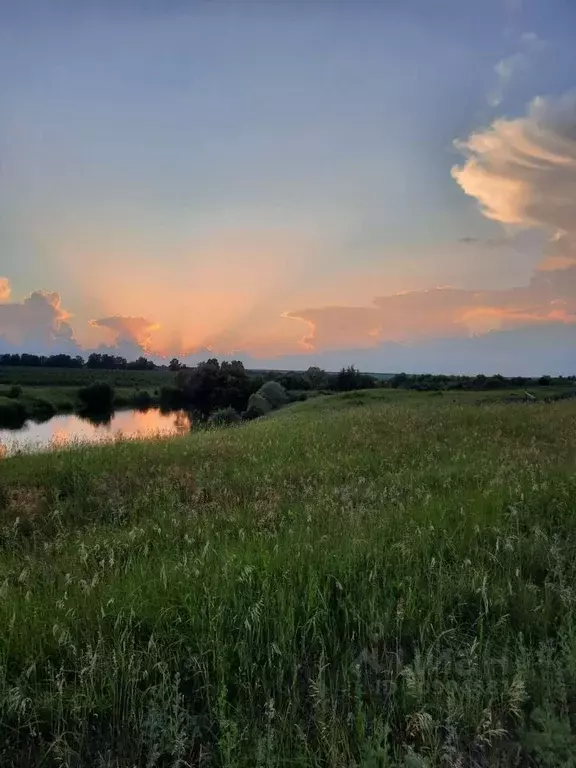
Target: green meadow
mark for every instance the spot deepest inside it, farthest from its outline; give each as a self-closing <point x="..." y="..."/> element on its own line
<point x="368" y="579"/>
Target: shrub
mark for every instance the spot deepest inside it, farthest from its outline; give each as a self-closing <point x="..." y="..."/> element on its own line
<point x="42" y="409"/>
<point x="274" y="393"/>
<point x="172" y="397"/>
<point x="297" y="397"/>
<point x="142" y="399"/>
<point x="224" y="417"/>
<point x="257" y="406"/>
<point x="13" y="414"/>
<point x="98" y="396"/>
<point x="14" y="392"/>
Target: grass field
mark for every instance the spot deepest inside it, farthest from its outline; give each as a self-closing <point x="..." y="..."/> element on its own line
<point x="80" y="377"/>
<point x="369" y="579"/>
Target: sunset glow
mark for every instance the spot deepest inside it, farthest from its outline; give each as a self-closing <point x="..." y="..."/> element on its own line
<point x="228" y="197"/>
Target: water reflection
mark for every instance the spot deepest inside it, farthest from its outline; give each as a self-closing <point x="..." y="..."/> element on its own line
<point x="93" y="428"/>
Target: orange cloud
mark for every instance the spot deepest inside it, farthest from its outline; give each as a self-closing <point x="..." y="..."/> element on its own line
<point x="5" y="289"/>
<point x="550" y="297"/>
<point x="523" y="172"/>
<point x="136" y="330"/>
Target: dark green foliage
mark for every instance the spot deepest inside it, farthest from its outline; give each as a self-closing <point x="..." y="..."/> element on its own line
<point x="350" y="378"/>
<point x="142" y="399"/>
<point x="42" y="409"/>
<point x="224" y="417"/>
<point x="294" y="381"/>
<point x="257" y="406"/>
<point x="98" y="396"/>
<point x="318" y="378"/>
<point x="274" y="393"/>
<point x="115" y="362"/>
<point x="423" y="382"/>
<point x="172" y="397"/>
<point x="14" y="392"/>
<point x="13" y="413"/>
<point x="211" y="385"/>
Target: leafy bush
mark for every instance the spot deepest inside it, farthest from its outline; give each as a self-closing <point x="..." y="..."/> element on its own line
<point x="13" y="413"/>
<point x="224" y="417"/>
<point x="42" y="409"/>
<point x="142" y="399"/>
<point x="172" y="397"/>
<point x="97" y="397"/>
<point x="274" y="392"/>
<point x="14" y="392"/>
<point x="257" y="406"/>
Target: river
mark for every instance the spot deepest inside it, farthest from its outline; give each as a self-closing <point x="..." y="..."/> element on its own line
<point x="60" y="431"/>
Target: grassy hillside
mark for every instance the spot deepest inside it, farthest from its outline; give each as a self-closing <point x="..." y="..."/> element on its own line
<point x="355" y="581"/>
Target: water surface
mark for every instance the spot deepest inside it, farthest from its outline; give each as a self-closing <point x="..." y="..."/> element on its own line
<point x="59" y="431"/>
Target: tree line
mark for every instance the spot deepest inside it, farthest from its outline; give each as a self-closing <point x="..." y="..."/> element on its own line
<point x="95" y="360"/>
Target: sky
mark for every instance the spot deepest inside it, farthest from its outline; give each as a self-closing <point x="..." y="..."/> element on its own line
<point x="385" y="183"/>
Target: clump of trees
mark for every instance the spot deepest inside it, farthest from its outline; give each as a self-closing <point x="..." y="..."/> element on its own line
<point x="211" y="385"/>
<point x="269" y="397"/>
<point x="115" y="362"/>
<point x="97" y="397"/>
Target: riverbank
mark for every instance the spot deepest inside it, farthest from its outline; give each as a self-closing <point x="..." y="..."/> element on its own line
<point x="40" y="403"/>
<point x="341" y="583"/>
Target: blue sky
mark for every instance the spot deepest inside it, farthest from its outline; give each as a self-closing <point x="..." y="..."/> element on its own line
<point x="226" y="171"/>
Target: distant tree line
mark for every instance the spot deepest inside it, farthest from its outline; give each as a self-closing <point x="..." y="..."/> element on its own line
<point x="213" y="386"/>
<point x="95" y="360"/>
<point x="433" y="382"/>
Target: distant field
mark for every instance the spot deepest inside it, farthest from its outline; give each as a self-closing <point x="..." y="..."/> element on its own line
<point x="79" y="377"/>
<point x="366" y="579"/>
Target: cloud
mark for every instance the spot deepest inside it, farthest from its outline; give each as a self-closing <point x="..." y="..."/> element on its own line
<point x="128" y="330"/>
<point x="38" y="323"/>
<point x="510" y="66"/>
<point x="5" y="289"/>
<point x="549" y="298"/>
<point x="523" y="172"/>
<point x="489" y="242"/>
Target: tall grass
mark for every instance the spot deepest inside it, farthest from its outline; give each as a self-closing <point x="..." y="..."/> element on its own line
<point x="347" y="583"/>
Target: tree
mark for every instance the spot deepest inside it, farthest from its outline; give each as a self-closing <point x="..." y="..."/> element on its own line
<point x="257" y="406"/>
<point x="98" y="396"/>
<point x="317" y="377"/>
<point x="210" y="385"/>
<point x="350" y="378"/>
<point x="274" y="393"/>
<point x="141" y="364"/>
<point x="175" y="364"/>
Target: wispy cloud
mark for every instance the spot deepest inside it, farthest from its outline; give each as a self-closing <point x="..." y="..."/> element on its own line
<point x="510" y="66"/>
